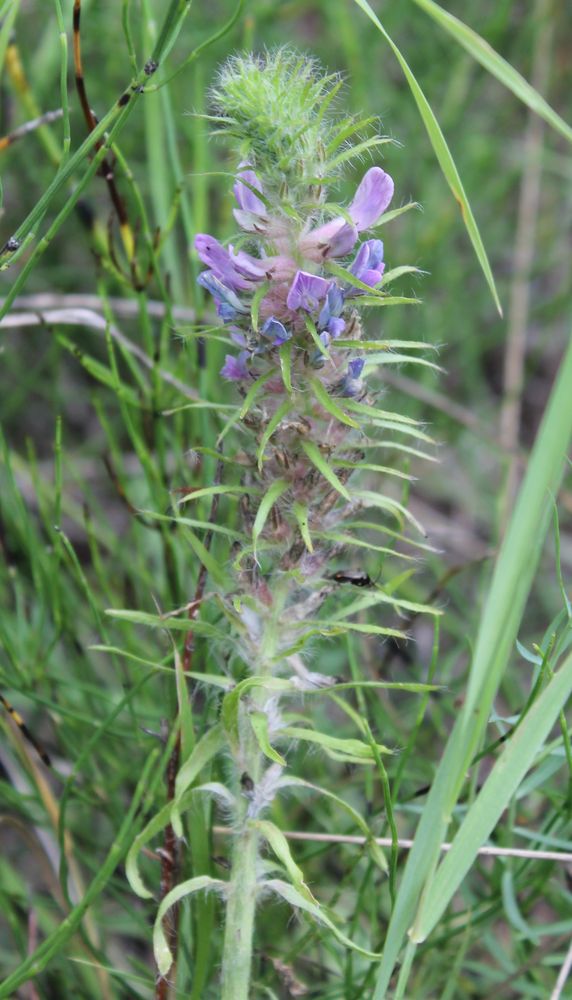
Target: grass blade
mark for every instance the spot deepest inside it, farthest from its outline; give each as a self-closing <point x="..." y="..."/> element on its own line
<point x="512" y="579"/>
<point x="496" y="65"/>
<point x="443" y="154"/>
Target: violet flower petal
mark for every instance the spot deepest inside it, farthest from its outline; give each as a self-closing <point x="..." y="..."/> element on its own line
<point x="306" y="291"/>
<point x="219" y="291"/>
<point x="245" y="197"/>
<point x="371" y="198"/>
<point x="334" y="239"/>
<point x="276" y="330"/>
<point x="336" y="327"/>
<point x="224" y="266"/>
<point x="234" y="369"/>
<point x="352" y="383"/>
<point x="355" y="367"/>
<point x="361" y="260"/>
<point x="372" y="277"/>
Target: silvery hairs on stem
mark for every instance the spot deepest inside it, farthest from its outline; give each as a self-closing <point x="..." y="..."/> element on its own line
<point x="290" y="292"/>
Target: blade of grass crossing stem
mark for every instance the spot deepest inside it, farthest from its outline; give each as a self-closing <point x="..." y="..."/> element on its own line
<point x="503" y="781"/>
<point x="443" y="154"/>
<point x="496" y="65"/>
<point x="500" y="621"/>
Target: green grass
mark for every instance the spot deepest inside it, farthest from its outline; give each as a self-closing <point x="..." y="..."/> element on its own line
<point x="102" y="433"/>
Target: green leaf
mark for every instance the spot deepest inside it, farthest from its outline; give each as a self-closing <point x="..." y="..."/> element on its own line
<point x="329" y="405"/>
<point x="300" y="511"/>
<point x="255" y="305"/>
<point x="349" y="540"/>
<point x="297" y="900"/>
<point x="259" y="723"/>
<point x="317" y="459"/>
<point x="509" y="770"/>
<point x="496" y="65"/>
<point x="372" y="411"/>
<point x="320" y="347"/>
<point x="207" y="747"/>
<point x="442" y="153"/>
<point x="371" y="499"/>
<point x="506" y="597"/>
<point x="285" y="355"/>
<point x="205" y="557"/>
<point x="162" y="621"/>
<point x="231" y="702"/>
<point x="254" y="391"/>
<point x="154" y="826"/>
<point x="266" y="504"/>
<point x="340" y="627"/>
<point x="391" y="358"/>
<point x="279" y="414"/>
<point x="398" y="272"/>
<point x="375" y="850"/>
<point x="383" y="345"/>
<point x="161" y="951"/>
<point x="211" y="491"/>
<point x="185" y="711"/>
<point x="353" y="748"/>
<point x="379" y="597"/>
<point x="277" y="841"/>
<point x="221" y="529"/>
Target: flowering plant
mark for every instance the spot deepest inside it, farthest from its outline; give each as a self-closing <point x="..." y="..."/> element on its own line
<point x="290" y="293"/>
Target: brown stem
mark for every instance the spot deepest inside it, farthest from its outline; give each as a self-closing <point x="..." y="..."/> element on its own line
<point x="106" y="168"/>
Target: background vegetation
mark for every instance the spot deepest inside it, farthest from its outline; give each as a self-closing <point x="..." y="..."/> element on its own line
<point x="93" y="454"/>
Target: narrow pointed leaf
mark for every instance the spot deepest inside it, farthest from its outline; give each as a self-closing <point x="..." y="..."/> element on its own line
<point x="496" y="65"/>
<point x="442" y="152"/>
<point x="317" y="459"/>
<point x="259" y="723"/>
<point x="298" y="901"/>
<point x="266" y="504"/>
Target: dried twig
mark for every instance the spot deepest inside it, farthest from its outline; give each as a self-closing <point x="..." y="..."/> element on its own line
<point x="564" y="857"/>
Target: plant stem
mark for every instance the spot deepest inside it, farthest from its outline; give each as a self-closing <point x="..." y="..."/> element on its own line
<point x="241" y="904"/>
<point x="242" y="891"/>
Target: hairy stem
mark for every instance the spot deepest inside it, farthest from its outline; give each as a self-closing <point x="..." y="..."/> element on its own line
<point x="237" y="952"/>
<point x="242" y="891"/>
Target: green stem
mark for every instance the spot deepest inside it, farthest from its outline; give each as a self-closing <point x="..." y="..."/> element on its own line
<point x="242" y="892"/>
<point x="241" y="904"/>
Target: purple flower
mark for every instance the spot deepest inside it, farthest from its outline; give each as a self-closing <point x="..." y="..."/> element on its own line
<point x="237" y="270"/>
<point x="352" y="383"/>
<point x="276" y="330"/>
<point x="329" y="319"/>
<point x="221" y="293"/>
<point x="238" y="337"/>
<point x="355" y="367"/>
<point x="337" y="237"/>
<point x="245" y="196"/>
<point x="371" y="198"/>
<point x="368" y="263"/>
<point x="234" y="369"/>
<point x="336" y="327"/>
<point x="334" y="239"/>
<point x="306" y="291"/>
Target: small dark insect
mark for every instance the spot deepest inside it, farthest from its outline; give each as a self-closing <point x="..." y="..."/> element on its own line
<point x="25" y="731"/>
<point x="217" y="859"/>
<point x="150" y="67"/>
<point x="11" y="245"/>
<point x="349" y="576"/>
<point x="246" y="783"/>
